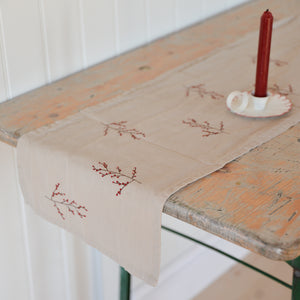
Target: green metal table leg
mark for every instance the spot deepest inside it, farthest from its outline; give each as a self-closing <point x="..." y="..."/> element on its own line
<point x="296" y="285"/>
<point x="295" y="263"/>
<point x="124" y="284"/>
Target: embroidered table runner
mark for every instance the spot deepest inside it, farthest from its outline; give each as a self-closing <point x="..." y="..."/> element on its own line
<point x="105" y="172"/>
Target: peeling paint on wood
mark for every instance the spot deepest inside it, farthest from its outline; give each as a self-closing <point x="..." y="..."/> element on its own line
<point x="260" y="213"/>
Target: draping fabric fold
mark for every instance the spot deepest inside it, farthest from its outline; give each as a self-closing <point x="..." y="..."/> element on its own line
<point x="105" y="172"/>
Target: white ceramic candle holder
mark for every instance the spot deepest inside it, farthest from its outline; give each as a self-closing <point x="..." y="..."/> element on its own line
<point x="247" y="105"/>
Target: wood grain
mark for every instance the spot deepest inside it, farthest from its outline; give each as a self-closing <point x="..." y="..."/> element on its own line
<point x="253" y="201"/>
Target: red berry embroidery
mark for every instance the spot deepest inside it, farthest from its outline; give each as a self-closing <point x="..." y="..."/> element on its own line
<point x="117" y="176"/>
<point x="121" y="128"/>
<point x="201" y="90"/>
<point x="205" y="127"/>
<point x="284" y="92"/>
<point x="60" y="201"/>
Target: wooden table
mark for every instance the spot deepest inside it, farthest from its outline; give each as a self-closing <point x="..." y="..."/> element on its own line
<point x="254" y="201"/>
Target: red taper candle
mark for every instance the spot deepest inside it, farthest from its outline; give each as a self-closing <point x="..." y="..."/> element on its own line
<point x="263" y="54"/>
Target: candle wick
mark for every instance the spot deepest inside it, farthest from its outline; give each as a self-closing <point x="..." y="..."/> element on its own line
<point x="267" y="10"/>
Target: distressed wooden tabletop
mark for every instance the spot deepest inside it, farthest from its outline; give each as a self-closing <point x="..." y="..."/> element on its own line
<point x="254" y="201"/>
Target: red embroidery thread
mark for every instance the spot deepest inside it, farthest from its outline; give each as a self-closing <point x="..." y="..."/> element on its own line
<point x="285" y="92"/>
<point x="120" y="128"/>
<point x="117" y="176"/>
<point x="206" y="128"/>
<point x="202" y="91"/>
<point x="72" y="206"/>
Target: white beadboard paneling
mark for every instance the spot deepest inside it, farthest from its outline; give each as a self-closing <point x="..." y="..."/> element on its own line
<point x="3" y="93"/>
<point x="46" y="258"/>
<point x="5" y="89"/>
<point x="82" y="268"/>
<point x="96" y="273"/>
<point x="99" y="29"/>
<point x="131" y="24"/>
<point x="111" y="272"/>
<point x="63" y="36"/>
<point x="44" y="39"/>
<point x="3" y="82"/>
<point x="213" y="7"/>
<point x="23" y="45"/>
<point x="161" y="17"/>
<point x="14" y="279"/>
<point x="189" y="12"/>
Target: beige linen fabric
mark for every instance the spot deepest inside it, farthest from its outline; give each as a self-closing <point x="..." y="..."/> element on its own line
<point x="148" y="143"/>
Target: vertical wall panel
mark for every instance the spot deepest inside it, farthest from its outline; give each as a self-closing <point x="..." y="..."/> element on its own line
<point x="132" y="23"/>
<point x="5" y="91"/>
<point x="63" y="35"/>
<point x="46" y="258"/>
<point x="3" y="86"/>
<point x="161" y="17"/>
<point x="110" y="277"/>
<point x="14" y="282"/>
<point x="82" y="269"/>
<point x="96" y="274"/>
<point x="99" y="29"/>
<point x="22" y="37"/>
<point x="189" y="12"/>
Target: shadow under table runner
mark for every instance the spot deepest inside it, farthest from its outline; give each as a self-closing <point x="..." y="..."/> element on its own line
<point x="105" y="172"/>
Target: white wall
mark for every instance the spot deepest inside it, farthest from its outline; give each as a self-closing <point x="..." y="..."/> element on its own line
<point x="41" y="41"/>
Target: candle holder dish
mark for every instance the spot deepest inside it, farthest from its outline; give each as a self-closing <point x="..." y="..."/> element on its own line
<point x="245" y="104"/>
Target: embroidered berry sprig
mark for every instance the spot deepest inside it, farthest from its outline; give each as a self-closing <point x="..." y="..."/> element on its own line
<point x="117" y="177"/>
<point x="276" y="62"/>
<point x="285" y="92"/>
<point x="201" y="90"/>
<point x="121" y="128"/>
<point x="59" y="201"/>
<point x="205" y="127"/>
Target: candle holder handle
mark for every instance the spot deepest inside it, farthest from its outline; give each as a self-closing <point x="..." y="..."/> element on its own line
<point x="247" y="105"/>
<point x="242" y="97"/>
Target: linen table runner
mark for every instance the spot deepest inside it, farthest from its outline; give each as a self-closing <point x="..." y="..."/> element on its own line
<point x="105" y="172"/>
